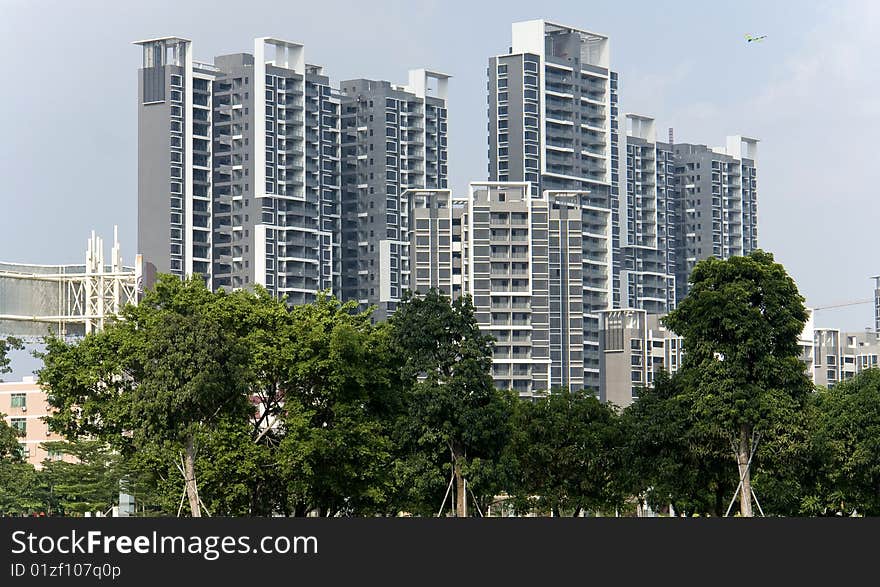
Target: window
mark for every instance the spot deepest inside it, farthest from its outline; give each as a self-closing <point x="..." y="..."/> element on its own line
<point x="20" y="424"/>
<point x="636" y="344"/>
<point x="19" y="400"/>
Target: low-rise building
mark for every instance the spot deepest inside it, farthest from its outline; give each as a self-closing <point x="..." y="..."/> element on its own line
<point x="635" y="346"/>
<point x="25" y="405"/>
<point x="838" y="356"/>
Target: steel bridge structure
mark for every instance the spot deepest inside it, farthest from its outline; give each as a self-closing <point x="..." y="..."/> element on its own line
<point x="66" y="300"/>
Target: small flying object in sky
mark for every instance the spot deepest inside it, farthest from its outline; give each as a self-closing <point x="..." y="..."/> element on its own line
<point x="752" y="39"/>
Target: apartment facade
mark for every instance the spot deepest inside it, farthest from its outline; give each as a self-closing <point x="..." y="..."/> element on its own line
<point x="25" y="404"/>
<point x="553" y="111"/>
<point x="436" y="242"/>
<point x="635" y="347"/>
<point x="718" y="198"/>
<point x="533" y="265"/>
<point x="682" y="203"/>
<point x="553" y="123"/>
<point x="394" y="140"/>
<point x="838" y="355"/>
<point x="649" y="212"/>
<point x="239" y="168"/>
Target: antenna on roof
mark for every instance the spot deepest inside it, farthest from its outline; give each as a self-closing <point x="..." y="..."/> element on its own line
<point x="671" y="137"/>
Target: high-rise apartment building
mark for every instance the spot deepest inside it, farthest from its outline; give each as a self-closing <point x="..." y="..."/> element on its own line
<point x="436" y="242"/>
<point x="553" y="124"/>
<point x="532" y="264"/>
<point x="718" y="202"/>
<point x="649" y="213"/>
<point x="683" y="203"/>
<point x="394" y="140"/>
<point x="553" y="111"/>
<point x="239" y="168"/>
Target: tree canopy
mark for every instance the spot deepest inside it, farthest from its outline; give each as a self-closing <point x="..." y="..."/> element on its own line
<point x="452" y="405"/>
<point x="847" y="443"/>
<point x="565" y="454"/>
<point x="740" y="324"/>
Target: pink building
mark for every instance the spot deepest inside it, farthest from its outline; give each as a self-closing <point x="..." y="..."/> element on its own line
<point x="25" y="404"/>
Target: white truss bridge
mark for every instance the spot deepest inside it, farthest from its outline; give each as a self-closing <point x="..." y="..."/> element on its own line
<point x="66" y="300"/>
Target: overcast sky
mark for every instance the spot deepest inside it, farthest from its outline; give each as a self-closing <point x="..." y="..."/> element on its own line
<point x="809" y="92"/>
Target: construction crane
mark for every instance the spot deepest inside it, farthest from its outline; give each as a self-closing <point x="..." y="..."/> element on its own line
<point x="841" y="305"/>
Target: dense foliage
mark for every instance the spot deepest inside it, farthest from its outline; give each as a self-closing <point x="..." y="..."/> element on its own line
<point x="234" y="404"/>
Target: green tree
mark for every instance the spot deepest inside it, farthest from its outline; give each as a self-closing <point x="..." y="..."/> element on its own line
<point x="670" y="459"/>
<point x="451" y="401"/>
<point x="22" y="491"/>
<point x="10" y="450"/>
<point x="6" y="345"/>
<point x="169" y="369"/>
<point x="88" y="483"/>
<point x="740" y="323"/>
<point x="328" y="389"/>
<point x="341" y="395"/>
<point x="564" y="453"/>
<point x="847" y="442"/>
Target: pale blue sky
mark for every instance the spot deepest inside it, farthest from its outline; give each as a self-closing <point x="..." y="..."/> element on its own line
<point x="809" y="92"/>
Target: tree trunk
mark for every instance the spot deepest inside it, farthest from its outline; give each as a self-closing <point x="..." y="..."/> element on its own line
<point x="189" y="472"/>
<point x="742" y="459"/>
<point x="460" y="489"/>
